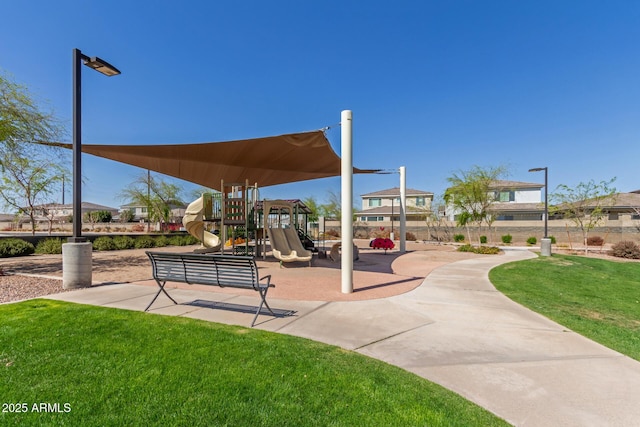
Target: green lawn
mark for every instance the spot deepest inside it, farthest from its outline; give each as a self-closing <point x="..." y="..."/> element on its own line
<point x="596" y="298"/>
<point x="98" y="366"/>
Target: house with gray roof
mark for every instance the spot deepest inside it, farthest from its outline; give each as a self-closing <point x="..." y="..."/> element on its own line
<point x="514" y="201"/>
<point x="384" y="205"/>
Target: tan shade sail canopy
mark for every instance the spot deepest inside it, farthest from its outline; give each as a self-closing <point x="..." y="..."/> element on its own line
<point x="266" y="161"/>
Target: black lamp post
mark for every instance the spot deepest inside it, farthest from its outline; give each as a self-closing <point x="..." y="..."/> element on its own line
<point x="108" y="70"/>
<point x="546" y="198"/>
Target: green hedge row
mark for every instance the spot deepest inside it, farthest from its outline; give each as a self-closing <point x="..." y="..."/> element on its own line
<point x="13" y="247"/>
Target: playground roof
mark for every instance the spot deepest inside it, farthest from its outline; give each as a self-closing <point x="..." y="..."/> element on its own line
<point x="266" y="161"/>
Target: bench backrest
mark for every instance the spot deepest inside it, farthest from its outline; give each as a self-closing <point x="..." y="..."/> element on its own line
<point x="218" y="270"/>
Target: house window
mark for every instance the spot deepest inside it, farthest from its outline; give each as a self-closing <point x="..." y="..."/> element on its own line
<point x="420" y="201"/>
<point x="374" y="203"/>
<point x="506" y="196"/>
<point x="374" y="218"/>
<point x="613" y="216"/>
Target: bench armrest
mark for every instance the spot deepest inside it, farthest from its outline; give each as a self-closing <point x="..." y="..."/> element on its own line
<point x="268" y="277"/>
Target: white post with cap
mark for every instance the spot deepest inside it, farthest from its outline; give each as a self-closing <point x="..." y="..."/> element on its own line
<point x="346" y="201"/>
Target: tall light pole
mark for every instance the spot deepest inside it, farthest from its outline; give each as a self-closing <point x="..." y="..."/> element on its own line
<point x="76" y="254"/>
<point x="108" y="70"/>
<point x="546" y="242"/>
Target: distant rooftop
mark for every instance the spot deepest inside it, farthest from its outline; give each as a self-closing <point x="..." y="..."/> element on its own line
<point x="395" y="191"/>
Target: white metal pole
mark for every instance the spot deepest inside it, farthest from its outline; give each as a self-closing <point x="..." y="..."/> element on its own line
<point x="403" y="209"/>
<point x="347" y="197"/>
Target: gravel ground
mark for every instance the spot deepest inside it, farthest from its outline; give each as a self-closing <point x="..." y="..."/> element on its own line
<point x="19" y="287"/>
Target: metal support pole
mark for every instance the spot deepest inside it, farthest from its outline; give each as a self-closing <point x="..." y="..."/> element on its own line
<point x="403" y="210"/>
<point x="546" y="202"/>
<point x="347" y="197"/>
<point x="77" y="148"/>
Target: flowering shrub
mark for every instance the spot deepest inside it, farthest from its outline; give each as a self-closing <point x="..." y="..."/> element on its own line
<point x="382" y="243"/>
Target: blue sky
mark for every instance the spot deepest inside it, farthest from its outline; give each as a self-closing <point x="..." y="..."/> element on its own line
<point x="436" y="86"/>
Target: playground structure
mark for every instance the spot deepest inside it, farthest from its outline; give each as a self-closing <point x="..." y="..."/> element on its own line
<point x="230" y="212"/>
<point x="280" y="226"/>
<point x="194" y="223"/>
<point x="243" y="223"/>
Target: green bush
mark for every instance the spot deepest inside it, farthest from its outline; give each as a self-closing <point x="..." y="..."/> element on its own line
<point x="506" y="239"/>
<point x="15" y="247"/>
<point x="553" y="240"/>
<point x="485" y="250"/>
<point x="104" y="243"/>
<point x="124" y="242"/>
<point x="532" y="241"/>
<point x="162" y="241"/>
<point x="483" y="239"/>
<point x="190" y="240"/>
<point x="144" y="242"/>
<point x="49" y="246"/>
<point x="177" y="241"/>
<point x="458" y="237"/>
<point x="626" y="249"/>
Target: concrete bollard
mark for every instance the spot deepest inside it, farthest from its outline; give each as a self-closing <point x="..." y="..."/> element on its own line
<point x="545" y="247"/>
<point x="76" y="265"/>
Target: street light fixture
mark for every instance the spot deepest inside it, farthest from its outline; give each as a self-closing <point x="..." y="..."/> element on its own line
<point x="76" y="253"/>
<point x="545" y="243"/>
<point x="108" y="70"/>
<point x="546" y="198"/>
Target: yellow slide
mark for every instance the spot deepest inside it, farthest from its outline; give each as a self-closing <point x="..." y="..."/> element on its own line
<point x="193" y="221"/>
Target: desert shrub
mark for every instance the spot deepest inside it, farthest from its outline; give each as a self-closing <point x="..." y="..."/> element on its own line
<point x="532" y="241"/>
<point x="458" y="237"/>
<point x="123" y="242"/>
<point x="361" y="234"/>
<point x="485" y="250"/>
<point x="49" y="246"/>
<point x="138" y="228"/>
<point x="626" y="249"/>
<point x="483" y="239"/>
<point x="144" y="242"/>
<point x="595" y="241"/>
<point x="332" y="233"/>
<point x="410" y="237"/>
<point x="15" y="247"/>
<point x="506" y="239"/>
<point x="104" y="243"/>
<point x="162" y="241"/>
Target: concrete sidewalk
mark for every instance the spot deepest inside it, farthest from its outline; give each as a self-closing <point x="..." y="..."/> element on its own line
<point x="455" y="329"/>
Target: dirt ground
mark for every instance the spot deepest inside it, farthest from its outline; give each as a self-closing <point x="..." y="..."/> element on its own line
<point x="376" y="274"/>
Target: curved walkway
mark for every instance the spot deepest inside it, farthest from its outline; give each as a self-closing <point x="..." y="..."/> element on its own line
<point x="456" y="330"/>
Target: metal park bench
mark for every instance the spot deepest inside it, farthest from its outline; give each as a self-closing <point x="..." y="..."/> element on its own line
<point x="216" y="270"/>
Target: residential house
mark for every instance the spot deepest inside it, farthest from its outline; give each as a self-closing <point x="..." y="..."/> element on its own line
<point x="384" y="205"/>
<point x="514" y="201"/>
<point x="61" y="213"/>
<point x="141" y="213"/>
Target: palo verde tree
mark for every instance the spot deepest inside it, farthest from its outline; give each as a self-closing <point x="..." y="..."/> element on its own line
<point x="471" y="194"/>
<point x="156" y="194"/>
<point x="584" y="204"/>
<point x="314" y="207"/>
<point x="438" y="228"/>
<point x="30" y="171"/>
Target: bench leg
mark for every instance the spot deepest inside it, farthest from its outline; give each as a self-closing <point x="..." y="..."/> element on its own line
<point x="162" y="289"/>
<point x="263" y="295"/>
